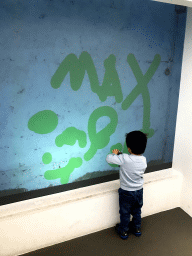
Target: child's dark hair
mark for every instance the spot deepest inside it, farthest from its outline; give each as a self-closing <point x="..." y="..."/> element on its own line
<point x="136" y="141"/>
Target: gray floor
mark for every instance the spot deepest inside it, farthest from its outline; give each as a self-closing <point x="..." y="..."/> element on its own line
<point x="163" y="234"/>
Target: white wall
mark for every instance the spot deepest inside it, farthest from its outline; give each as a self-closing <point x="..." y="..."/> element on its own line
<point x="37" y="223"/>
<point x="178" y="2"/>
<point x="182" y="156"/>
<point x="33" y="224"/>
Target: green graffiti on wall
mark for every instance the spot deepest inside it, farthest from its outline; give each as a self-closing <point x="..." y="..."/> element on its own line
<point x="46" y="121"/>
<point x="69" y="137"/>
<point x="101" y="139"/>
<point x="43" y="122"/>
<point x="77" y="67"/>
<point x="65" y="172"/>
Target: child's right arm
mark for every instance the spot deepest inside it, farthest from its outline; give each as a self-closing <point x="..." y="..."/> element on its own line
<point x="114" y="158"/>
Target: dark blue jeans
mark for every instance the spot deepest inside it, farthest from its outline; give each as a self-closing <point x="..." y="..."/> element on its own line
<point x="130" y="202"/>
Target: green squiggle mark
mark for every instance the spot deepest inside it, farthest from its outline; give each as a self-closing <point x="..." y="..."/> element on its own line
<point x="116" y="146"/>
<point x="64" y="173"/>
<point x="43" y="122"/>
<point x="120" y="147"/>
<point x="141" y="87"/>
<point x="47" y="158"/>
<point x="101" y="139"/>
<point x="125" y="149"/>
<point x="69" y="137"/>
<point x="77" y="68"/>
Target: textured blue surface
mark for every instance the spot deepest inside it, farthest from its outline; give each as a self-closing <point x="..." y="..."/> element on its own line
<point x="37" y="36"/>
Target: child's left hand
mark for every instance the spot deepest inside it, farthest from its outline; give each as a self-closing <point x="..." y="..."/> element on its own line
<point x="115" y="151"/>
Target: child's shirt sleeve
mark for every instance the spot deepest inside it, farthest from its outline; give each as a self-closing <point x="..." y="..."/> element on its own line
<point x="115" y="159"/>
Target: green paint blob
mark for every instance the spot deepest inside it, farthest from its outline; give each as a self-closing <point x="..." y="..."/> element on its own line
<point x="125" y="149"/>
<point x="43" y="122"/>
<point x="77" y="67"/>
<point x="47" y="158"/>
<point x="69" y="137"/>
<point x="116" y="146"/>
<point x="65" y="172"/>
<point x="101" y="139"/>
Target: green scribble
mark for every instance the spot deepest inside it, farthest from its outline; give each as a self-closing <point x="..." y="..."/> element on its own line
<point x="125" y="149"/>
<point x="101" y="139"/>
<point x="141" y="88"/>
<point x="43" y="122"/>
<point x="69" y="137"/>
<point x="116" y="146"/>
<point x="77" y="67"/>
<point x="47" y="158"/>
<point x="46" y="121"/>
<point x="64" y="173"/>
<point x="119" y="146"/>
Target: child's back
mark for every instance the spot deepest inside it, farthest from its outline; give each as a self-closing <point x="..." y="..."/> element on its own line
<point x="132" y="168"/>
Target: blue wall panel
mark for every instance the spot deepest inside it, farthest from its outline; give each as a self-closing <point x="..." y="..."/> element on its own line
<point x="75" y="77"/>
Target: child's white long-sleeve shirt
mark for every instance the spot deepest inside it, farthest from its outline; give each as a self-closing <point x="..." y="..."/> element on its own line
<point x="132" y="168"/>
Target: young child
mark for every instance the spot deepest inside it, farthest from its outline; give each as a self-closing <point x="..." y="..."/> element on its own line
<point x="132" y="168"/>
